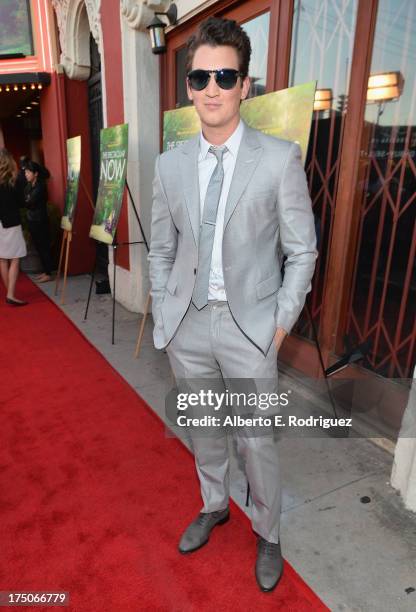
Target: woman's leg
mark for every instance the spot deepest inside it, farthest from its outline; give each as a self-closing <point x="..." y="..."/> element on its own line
<point x="13" y="274"/>
<point x="4" y="271"/>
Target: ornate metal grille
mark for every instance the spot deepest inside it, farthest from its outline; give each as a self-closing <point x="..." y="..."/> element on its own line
<point x="383" y="300"/>
<point x="322" y="46"/>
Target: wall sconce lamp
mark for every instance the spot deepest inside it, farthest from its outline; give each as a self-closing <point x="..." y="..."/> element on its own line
<point x="323" y="100"/>
<point x="157" y="29"/>
<point x="384" y="86"/>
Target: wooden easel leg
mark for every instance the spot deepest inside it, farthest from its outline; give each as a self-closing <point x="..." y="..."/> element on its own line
<point x="87" y="193"/>
<point x="142" y="324"/>
<point x="68" y="245"/>
<point x="58" y="273"/>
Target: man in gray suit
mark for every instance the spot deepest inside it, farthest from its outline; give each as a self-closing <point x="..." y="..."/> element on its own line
<point x="227" y="206"/>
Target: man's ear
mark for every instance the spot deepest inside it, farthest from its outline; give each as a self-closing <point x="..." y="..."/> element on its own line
<point x="188" y="90"/>
<point x="245" y="87"/>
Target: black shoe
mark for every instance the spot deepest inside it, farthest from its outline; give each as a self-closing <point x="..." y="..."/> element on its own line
<point x="197" y="534"/>
<point x="13" y="302"/>
<point x="269" y="564"/>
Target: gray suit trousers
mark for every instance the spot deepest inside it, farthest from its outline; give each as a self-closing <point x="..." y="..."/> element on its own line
<point x="209" y="345"/>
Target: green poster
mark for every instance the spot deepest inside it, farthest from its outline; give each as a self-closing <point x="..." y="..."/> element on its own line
<point x="73" y="149"/>
<point x="113" y="168"/>
<point x="286" y="114"/>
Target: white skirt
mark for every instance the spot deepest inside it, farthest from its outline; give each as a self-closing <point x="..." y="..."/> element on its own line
<point x="12" y="243"/>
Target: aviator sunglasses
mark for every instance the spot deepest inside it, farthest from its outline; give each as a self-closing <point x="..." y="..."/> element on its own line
<point x="226" y="78"/>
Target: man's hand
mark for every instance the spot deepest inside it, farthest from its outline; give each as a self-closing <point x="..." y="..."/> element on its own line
<point x="279" y="336"/>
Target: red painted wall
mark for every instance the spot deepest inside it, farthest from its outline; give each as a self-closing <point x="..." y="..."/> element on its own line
<point x="64" y="113"/>
<point x="111" y="27"/>
<point x="83" y="247"/>
<point x="52" y="112"/>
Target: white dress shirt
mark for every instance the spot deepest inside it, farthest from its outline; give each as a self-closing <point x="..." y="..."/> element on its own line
<point x="206" y="165"/>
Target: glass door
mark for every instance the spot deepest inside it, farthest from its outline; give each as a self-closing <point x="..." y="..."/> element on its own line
<point x="382" y="306"/>
<point x="323" y="35"/>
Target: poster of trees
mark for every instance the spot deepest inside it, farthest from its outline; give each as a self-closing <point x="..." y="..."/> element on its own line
<point x="73" y="148"/>
<point x="113" y="168"/>
<point x="286" y="113"/>
<point x="15" y="27"/>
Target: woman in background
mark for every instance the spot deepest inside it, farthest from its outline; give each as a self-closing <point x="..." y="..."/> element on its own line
<point x="36" y="199"/>
<point x="12" y="243"/>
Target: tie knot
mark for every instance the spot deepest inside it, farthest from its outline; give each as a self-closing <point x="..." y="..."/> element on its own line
<point x="218" y="151"/>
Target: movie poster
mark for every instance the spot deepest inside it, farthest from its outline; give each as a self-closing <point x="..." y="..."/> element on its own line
<point x="73" y="149"/>
<point x="113" y="168"/>
<point x="15" y="28"/>
<point x="286" y="114"/>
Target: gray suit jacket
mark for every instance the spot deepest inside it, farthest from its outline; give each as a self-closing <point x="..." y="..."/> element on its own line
<point x="268" y="214"/>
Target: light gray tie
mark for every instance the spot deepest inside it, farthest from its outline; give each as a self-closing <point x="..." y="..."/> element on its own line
<point x="207" y="230"/>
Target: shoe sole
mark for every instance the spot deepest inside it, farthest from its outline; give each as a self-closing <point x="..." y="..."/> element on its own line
<point x="191" y="550"/>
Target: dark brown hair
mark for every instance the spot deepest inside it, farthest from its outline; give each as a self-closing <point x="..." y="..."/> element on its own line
<point x="214" y="32"/>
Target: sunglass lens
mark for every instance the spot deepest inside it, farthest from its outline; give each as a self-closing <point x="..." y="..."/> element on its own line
<point x="227" y="79"/>
<point x="198" y="79"/>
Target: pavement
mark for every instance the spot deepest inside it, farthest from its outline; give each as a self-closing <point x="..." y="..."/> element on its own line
<point x="343" y="527"/>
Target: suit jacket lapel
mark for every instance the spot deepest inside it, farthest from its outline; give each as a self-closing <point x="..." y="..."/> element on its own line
<point x="188" y="165"/>
<point x="248" y="157"/>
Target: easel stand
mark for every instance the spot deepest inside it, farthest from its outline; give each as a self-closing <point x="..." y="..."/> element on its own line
<point x="115" y="246"/>
<point x="91" y="203"/>
<point x="141" y="326"/>
<point x="65" y="246"/>
<point x="147" y="303"/>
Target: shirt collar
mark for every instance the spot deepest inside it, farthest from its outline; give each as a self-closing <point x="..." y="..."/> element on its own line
<point x="232" y="143"/>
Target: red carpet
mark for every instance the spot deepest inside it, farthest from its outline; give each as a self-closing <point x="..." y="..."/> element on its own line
<point x="93" y="495"/>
